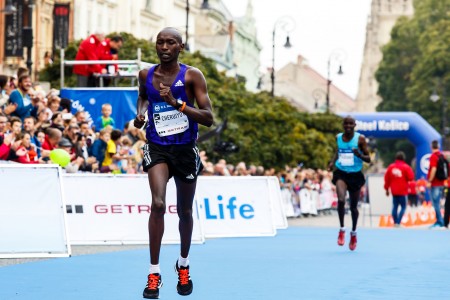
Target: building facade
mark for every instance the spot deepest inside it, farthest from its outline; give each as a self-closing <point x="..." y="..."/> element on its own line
<point x="384" y="14"/>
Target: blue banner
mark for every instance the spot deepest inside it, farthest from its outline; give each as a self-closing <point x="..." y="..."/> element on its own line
<point x="122" y="100"/>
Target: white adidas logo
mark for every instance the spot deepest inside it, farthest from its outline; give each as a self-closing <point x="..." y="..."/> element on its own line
<point x="179" y="83"/>
<point x="190" y="176"/>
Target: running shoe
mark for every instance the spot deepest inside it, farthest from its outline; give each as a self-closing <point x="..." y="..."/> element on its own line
<point x="353" y="241"/>
<point x="184" y="286"/>
<point x="341" y="238"/>
<point x="154" y="283"/>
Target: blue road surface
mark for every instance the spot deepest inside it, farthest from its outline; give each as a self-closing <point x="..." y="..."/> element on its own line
<point x="298" y="263"/>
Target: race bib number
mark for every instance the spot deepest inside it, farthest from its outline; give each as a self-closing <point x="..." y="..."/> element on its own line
<point x="168" y="120"/>
<point x="346" y="157"/>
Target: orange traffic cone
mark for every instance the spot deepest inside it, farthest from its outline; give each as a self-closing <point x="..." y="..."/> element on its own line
<point x="384" y="221"/>
<point x="390" y="221"/>
<point x="417" y="221"/>
<point x="407" y="220"/>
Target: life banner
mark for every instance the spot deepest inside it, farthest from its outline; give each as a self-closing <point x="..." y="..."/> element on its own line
<point x="61" y="14"/>
<point x="114" y="209"/>
<point x="235" y="206"/>
<point x="32" y="218"/>
<point x="14" y="31"/>
<point x="122" y="100"/>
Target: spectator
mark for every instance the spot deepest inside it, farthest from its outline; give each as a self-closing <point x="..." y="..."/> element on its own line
<point x="88" y="51"/>
<point x="53" y="103"/>
<point x="29" y="124"/>
<point x="81" y="150"/>
<point x="88" y="132"/>
<point x="108" y="50"/>
<point x="111" y="154"/>
<point x="396" y="179"/>
<point x="3" y="121"/>
<point x="5" y="91"/>
<point x="21" y="71"/>
<point x="105" y="119"/>
<point x="81" y="116"/>
<point x="57" y="121"/>
<point x="98" y="148"/>
<point x="16" y="127"/>
<point x="437" y="185"/>
<point x="133" y="133"/>
<point x="25" y="153"/>
<point x="71" y="133"/>
<point x="25" y="104"/>
<point x="47" y="59"/>
<point x="412" y="193"/>
<point x="422" y="189"/>
<point x="52" y="138"/>
<point x="76" y="162"/>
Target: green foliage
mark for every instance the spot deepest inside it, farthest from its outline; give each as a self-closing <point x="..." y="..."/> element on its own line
<point x="268" y="131"/>
<point x="415" y="62"/>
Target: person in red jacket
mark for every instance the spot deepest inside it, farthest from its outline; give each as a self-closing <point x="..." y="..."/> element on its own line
<point x="108" y="50"/>
<point x="88" y="50"/>
<point x="396" y="179"/>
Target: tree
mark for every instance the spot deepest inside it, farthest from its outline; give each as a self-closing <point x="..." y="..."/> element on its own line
<point x="414" y="61"/>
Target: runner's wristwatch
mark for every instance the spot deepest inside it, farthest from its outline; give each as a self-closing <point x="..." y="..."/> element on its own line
<point x="179" y="104"/>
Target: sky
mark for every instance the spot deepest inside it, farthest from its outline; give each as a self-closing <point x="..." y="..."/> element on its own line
<point x="320" y="29"/>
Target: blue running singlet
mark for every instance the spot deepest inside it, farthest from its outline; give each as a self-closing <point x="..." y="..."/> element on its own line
<point x="347" y="161"/>
<point x="166" y="125"/>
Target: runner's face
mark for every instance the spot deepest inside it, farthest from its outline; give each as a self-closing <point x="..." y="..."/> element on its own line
<point x="349" y="125"/>
<point x="167" y="46"/>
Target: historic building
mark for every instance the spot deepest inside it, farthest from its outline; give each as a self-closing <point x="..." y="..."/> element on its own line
<point x="383" y="16"/>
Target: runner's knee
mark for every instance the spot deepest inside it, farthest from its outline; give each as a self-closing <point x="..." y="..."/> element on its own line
<point x="158" y="206"/>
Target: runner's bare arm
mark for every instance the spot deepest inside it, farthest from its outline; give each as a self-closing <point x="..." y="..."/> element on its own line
<point x="142" y="100"/>
<point x="363" y="152"/>
<point x="197" y="86"/>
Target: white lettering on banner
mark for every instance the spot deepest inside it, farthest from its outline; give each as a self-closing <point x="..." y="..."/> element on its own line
<point x="382" y="125"/>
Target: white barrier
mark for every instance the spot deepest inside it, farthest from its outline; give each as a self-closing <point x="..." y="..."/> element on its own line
<point x="278" y="211"/>
<point x="235" y="206"/>
<point x="114" y="209"/>
<point x="32" y="216"/>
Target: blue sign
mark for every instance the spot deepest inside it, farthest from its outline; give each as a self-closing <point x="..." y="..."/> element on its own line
<point x="122" y="100"/>
<point x="408" y="125"/>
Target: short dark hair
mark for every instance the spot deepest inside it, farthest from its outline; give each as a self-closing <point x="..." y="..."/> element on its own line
<point x="400" y="155"/>
<point x="116" y="134"/>
<point x="117" y="38"/>
<point x="435" y="144"/>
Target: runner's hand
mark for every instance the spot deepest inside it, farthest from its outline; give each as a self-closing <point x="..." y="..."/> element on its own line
<point x="166" y="94"/>
<point x="139" y="121"/>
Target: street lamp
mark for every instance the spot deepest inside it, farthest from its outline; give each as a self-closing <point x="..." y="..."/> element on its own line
<point x="205" y="5"/>
<point x="339" y="56"/>
<point x="287" y="24"/>
<point x="318" y="95"/>
<point x="28" y="34"/>
<point x="435" y="97"/>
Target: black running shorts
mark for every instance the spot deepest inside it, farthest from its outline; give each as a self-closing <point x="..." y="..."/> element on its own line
<point x="183" y="160"/>
<point x="354" y="180"/>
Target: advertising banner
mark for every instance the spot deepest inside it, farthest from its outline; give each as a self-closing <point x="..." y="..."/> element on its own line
<point x="14" y="31"/>
<point x="32" y="218"/>
<point x="114" y="209"/>
<point x="235" y="207"/>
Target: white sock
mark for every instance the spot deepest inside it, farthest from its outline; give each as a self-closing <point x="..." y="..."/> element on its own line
<point x="353" y="232"/>
<point x="183" y="262"/>
<point x="155" y="269"/>
<point x="342" y="228"/>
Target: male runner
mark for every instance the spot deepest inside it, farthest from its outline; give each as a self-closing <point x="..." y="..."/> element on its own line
<point x="167" y="93"/>
<point x="348" y="160"/>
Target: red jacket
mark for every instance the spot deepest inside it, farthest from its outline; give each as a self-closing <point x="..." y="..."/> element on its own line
<point x="104" y="53"/>
<point x="396" y="178"/>
<point x="88" y="51"/>
<point x="46" y="145"/>
<point x="4" y="150"/>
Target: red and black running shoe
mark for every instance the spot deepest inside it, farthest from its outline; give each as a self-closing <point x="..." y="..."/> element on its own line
<point x="184" y="286"/>
<point x="154" y="283"/>
<point x="353" y="241"/>
<point x="341" y="238"/>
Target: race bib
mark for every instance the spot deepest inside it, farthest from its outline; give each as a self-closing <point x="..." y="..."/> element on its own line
<point x="168" y="120"/>
<point x="346" y="157"/>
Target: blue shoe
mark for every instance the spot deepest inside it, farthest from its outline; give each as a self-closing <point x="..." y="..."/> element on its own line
<point x="436" y="226"/>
